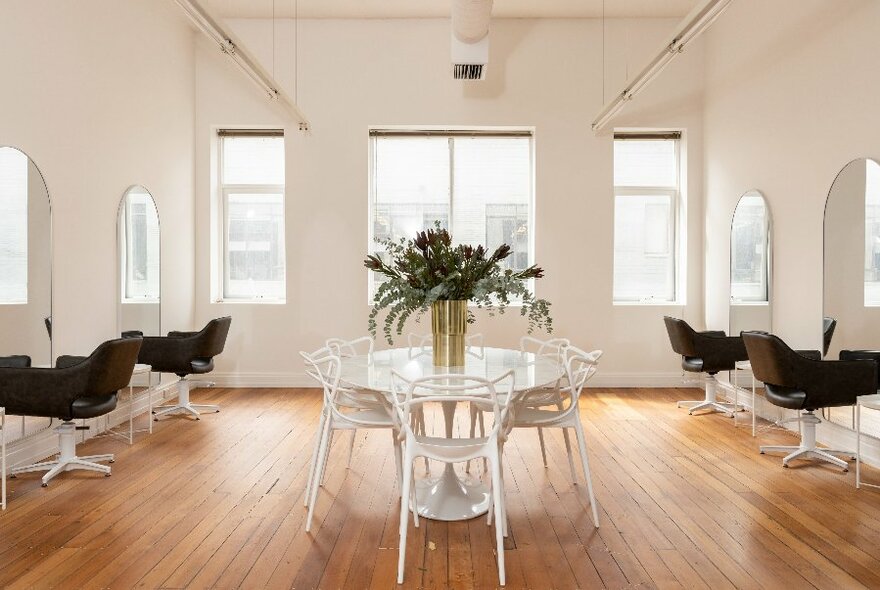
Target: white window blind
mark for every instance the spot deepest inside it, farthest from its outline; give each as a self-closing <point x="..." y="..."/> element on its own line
<point x="13" y="226"/>
<point x="252" y="194"/>
<point x="479" y="186"/>
<point x="646" y="201"/>
<point x="142" y="247"/>
<point x="749" y="255"/>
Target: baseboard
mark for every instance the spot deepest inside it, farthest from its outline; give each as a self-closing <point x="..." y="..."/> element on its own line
<point x="261" y="380"/>
<point x="44" y="443"/>
<point x="628" y="380"/>
<point x="829" y="434"/>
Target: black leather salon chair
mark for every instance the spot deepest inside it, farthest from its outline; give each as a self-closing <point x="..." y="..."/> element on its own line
<point x="79" y="387"/>
<point x="184" y="354"/>
<point x="708" y="353"/>
<point x="796" y="382"/>
<point x="18" y="361"/>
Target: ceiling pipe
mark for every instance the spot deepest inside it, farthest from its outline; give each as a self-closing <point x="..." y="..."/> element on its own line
<point x="470" y="19"/>
<point x="693" y="25"/>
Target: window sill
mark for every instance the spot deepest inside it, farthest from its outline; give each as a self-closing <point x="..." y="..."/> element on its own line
<point x="648" y="303"/>
<point x="136" y="301"/>
<point x="249" y="302"/>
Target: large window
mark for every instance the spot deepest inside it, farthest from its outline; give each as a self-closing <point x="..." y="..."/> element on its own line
<point x="252" y="203"/>
<point x="13" y="226"/>
<point x="646" y="209"/>
<point x="477" y="184"/>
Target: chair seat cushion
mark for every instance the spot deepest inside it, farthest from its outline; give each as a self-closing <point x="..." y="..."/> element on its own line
<point x="785" y="397"/>
<point x="692" y="364"/>
<point x="200" y="366"/>
<point x="89" y="407"/>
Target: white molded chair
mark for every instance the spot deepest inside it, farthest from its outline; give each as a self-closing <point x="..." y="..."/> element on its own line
<point x="336" y="414"/>
<point x="540" y="396"/>
<point x="408" y="396"/>
<point x="580" y="366"/>
<point x="349" y="395"/>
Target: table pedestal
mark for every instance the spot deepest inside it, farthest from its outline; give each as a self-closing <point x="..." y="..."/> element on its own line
<point x="448" y="497"/>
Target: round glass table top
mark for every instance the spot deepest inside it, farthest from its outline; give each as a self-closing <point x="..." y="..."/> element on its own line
<point x="374" y="372"/>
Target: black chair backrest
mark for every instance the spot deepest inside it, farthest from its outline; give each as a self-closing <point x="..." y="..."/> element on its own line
<point x="767" y="355"/>
<point x="212" y="338"/>
<point x="111" y="365"/>
<point x="828" y="325"/>
<point x="17" y="361"/>
<point x="681" y="336"/>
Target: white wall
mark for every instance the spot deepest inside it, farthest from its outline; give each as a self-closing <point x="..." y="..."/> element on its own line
<point x="100" y="94"/>
<point x="354" y="74"/>
<point x="790" y="100"/>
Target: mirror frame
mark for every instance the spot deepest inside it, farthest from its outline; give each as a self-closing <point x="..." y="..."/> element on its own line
<point x="120" y="278"/>
<point x="769" y="257"/>
<point x="51" y="317"/>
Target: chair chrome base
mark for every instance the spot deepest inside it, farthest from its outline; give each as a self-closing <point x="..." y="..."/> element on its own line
<point x="808" y="449"/>
<point x="710" y="402"/>
<point x="67" y="459"/>
<point x="183" y="404"/>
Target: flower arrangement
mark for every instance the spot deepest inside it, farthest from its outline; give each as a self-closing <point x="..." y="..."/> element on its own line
<point x="428" y="268"/>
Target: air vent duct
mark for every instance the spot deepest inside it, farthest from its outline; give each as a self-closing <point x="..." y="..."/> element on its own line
<point x="468" y="71"/>
<point x="470" y="38"/>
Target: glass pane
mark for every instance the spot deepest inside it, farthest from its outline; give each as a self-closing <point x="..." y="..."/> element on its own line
<point x="255" y="245"/>
<point x="645" y="163"/>
<point x="748" y="256"/>
<point x="253" y="160"/>
<point x="644" y="261"/>
<point x="872" y="233"/>
<point x="142" y="236"/>
<point x="492" y="193"/>
<point x="13" y="225"/>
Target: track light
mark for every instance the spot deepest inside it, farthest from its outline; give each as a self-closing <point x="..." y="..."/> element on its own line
<point x="699" y="19"/>
<point x="241" y="57"/>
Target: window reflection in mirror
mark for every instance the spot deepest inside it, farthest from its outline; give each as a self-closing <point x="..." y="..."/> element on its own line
<point x="750" y="265"/>
<point x="852" y="269"/>
<point x="139" y="263"/>
<point x="25" y="271"/>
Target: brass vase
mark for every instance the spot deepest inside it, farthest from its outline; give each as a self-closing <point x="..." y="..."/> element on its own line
<point x="449" y="327"/>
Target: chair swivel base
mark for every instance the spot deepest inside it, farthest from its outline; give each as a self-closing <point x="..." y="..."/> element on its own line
<point x="183" y="405"/>
<point x="808" y="449"/>
<point x="710" y="402"/>
<point x="67" y="459"/>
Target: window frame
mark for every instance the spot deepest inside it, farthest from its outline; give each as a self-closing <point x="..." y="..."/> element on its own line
<point x="450" y="133"/>
<point x="223" y="191"/>
<point x="676" y="221"/>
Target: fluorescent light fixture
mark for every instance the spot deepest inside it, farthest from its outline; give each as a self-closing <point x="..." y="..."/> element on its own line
<point x="697" y="21"/>
<point x="242" y="58"/>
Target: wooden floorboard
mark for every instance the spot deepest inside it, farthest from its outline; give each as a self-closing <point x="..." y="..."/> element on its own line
<point x="684" y="502"/>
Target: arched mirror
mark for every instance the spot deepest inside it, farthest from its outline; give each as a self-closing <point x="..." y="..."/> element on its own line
<point x="25" y="259"/>
<point x="750" y="264"/>
<point x="139" y="263"/>
<point x="851" y="302"/>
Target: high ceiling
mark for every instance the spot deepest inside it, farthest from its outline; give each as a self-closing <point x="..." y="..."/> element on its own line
<point x="441" y="8"/>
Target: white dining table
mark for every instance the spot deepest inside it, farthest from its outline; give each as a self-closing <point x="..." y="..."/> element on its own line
<point x="447" y="496"/>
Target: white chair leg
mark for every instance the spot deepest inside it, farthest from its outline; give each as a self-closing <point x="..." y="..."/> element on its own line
<point x="574" y="479"/>
<point x="585" y="463"/>
<point x="331" y="436"/>
<point x="482" y="433"/>
<point x="319" y="434"/>
<point x="398" y="461"/>
<point x="351" y="449"/>
<point x="499" y="526"/>
<point x="543" y="448"/>
<point x="404" y="513"/>
<point x="319" y="471"/>
<point x="858" y="445"/>
<point x="473" y="430"/>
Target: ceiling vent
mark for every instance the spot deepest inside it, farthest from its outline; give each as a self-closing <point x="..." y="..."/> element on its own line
<point x="470" y="38"/>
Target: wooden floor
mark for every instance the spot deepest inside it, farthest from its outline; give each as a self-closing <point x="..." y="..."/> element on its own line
<point x="685" y="502"/>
